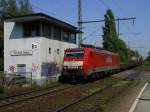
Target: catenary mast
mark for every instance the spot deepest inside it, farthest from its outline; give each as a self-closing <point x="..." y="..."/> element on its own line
<point x="80" y="22"/>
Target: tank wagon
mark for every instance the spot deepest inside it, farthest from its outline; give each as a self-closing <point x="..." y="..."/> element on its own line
<point x="79" y="63"/>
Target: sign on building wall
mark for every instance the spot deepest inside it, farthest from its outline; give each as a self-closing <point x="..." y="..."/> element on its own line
<point x="21" y="53"/>
<point x="35" y="45"/>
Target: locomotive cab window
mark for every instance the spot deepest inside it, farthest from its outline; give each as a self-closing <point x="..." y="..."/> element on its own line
<point x="75" y="54"/>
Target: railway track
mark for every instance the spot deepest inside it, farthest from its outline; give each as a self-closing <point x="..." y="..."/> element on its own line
<point x="83" y="98"/>
<point x="36" y="90"/>
<point x="12" y="100"/>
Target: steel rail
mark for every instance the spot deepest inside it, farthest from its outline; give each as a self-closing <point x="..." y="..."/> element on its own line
<point x="83" y="98"/>
<point x="36" y="90"/>
<point x="27" y="97"/>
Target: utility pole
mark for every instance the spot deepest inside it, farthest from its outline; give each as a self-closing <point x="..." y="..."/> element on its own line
<point x="123" y="19"/>
<point x="80" y="22"/>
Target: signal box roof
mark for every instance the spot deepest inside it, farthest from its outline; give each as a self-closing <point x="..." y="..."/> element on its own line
<point x="43" y="17"/>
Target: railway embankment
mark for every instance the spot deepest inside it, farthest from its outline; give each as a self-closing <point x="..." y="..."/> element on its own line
<point x="115" y="93"/>
<point x="92" y="96"/>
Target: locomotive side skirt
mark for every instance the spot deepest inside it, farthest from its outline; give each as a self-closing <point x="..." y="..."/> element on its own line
<point x="102" y="69"/>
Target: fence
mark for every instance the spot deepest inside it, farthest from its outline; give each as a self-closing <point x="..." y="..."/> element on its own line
<point x="8" y="80"/>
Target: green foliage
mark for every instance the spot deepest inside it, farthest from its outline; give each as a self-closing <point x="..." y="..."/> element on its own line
<point x="122" y="49"/>
<point x="1" y="64"/>
<point x="134" y="53"/>
<point x="111" y="40"/>
<point x="109" y="30"/>
<point x="25" y="7"/>
<point x="3" y="9"/>
<point x="1" y="27"/>
<point x="12" y="8"/>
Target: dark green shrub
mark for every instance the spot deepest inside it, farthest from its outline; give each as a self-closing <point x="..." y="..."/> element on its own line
<point x="1" y="64"/>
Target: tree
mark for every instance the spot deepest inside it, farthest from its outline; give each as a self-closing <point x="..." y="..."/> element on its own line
<point x="12" y="9"/>
<point x="121" y="47"/>
<point x="8" y="8"/>
<point x="111" y="40"/>
<point x="25" y="7"/>
<point x="109" y="31"/>
<point x="3" y="9"/>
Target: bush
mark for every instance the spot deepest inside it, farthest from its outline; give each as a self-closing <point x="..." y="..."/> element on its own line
<point x="1" y="64"/>
<point x="34" y="85"/>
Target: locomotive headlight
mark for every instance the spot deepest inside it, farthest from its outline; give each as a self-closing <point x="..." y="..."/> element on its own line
<point x="65" y="67"/>
<point x="75" y="67"/>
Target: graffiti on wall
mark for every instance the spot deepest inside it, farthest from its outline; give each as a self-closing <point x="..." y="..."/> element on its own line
<point x="12" y="68"/>
<point x="35" y="67"/>
<point x="49" y="69"/>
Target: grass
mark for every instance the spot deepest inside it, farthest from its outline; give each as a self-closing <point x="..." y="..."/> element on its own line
<point x="27" y="88"/>
<point x="143" y="68"/>
<point x="100" y="100"/>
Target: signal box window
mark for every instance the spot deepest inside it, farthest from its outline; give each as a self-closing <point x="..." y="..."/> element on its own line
<point x="57" y="51"/>
<point x="72" y="38"/>
<point x="46" y="30"/>
<point x="49" y="50"/>
<point x="65" y="36"/>
<point x="31" y="29"/>
<point x="57" y="33"/>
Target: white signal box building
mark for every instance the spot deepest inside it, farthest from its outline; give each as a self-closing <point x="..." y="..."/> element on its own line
<point x="34" y="44"/>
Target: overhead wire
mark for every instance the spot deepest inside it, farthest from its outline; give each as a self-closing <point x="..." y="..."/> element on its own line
<point x="35" y="6"/>
<point x="53" y="14"/>
<point x="90" y="35"/>
<point x="129" y="27"/>
<point x="107" y="6"/>
<point x="120" y="8"/>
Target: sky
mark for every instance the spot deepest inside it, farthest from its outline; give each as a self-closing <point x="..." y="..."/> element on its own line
<point x="135" y="35"/>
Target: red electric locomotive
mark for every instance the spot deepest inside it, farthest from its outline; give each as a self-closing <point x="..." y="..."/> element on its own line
<point x="86" y="62"/>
